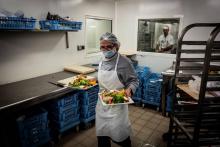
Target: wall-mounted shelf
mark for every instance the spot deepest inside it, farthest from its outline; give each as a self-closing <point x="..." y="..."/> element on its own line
<point x="15" y="24"/>
<point x="43" y="31"/>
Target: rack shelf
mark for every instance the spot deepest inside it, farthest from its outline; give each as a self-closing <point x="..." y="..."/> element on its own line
<point x="189" y="91"/>
<point x="196" y="124"/>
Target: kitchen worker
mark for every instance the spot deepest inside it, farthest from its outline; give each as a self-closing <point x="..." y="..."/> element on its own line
<point x="115" y="72"/>
<point x="165" y="42"/>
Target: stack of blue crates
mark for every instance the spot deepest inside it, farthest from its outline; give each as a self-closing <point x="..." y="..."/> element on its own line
<point x="64" y="112"/>
<point x="33" y="128"/>
<point x="60" y="25"/>
<point x="17" y="23"/>
<point x="143" y="73"/>
<point x="88" y="99"/>
<point x="152" y="90"/>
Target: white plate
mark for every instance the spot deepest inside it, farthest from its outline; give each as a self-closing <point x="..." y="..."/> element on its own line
<point x="65" y="82"/>
<point x="104" y="104"/>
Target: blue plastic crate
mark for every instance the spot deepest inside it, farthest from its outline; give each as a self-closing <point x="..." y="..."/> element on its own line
<point x="69" y="126"/>
<point x="138" y="92"/>
<point x="60" y="110"/>
<point x="91" y="90"/>
<point x="38" y="140"/>
<point x="152" y="97"/>
<point x="87" y="120"/>
<point x="151" y="102"/>
<point x="32" y="119"/>
<point x="90" y="107"/>
<point x="71" y="113"/>
<point x="33" y="125"/>
<point x="152" y="94"/>
<point x="14" y="23"/>
<point x="152" y="82"/>
<point x="66" y="123"/>
<point x="136" y="98"/>
<point x="85" y="100"/>
<point x="143" y="71"/>
<point x="33" y="132"/>
<point x="155" y="94"/>
<point x="79" y="25"/>
<point x="87" y="114"/>
<point x="66" y="100"/>
<point x="60" y="25"/>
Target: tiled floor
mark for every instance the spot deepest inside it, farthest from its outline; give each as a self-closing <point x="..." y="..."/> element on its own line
<point x="148" y="125"/>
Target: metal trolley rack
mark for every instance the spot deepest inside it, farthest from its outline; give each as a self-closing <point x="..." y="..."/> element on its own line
<point x="195" y="122"/>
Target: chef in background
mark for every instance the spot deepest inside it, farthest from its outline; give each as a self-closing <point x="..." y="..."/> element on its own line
<point x="115" y="72"/>
<point x="165" y="42"/>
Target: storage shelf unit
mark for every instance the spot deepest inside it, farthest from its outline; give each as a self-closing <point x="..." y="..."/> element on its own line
<point x="196" y="124"/>
<point x="13" y="24"/>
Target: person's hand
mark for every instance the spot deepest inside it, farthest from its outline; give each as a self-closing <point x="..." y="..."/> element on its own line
<point x="128" y="92"/>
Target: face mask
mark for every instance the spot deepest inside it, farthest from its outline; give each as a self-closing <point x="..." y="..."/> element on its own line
<point x="109" y="54"/>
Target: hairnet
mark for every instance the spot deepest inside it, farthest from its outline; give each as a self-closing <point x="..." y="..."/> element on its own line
<point x="110" y="37"/>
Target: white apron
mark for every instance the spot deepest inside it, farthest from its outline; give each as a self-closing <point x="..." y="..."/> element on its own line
<point x="111" y="121"/>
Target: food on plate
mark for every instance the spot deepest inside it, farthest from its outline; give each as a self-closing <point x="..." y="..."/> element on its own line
<point x="114" y="96"/>
<point x="82" y="82"/>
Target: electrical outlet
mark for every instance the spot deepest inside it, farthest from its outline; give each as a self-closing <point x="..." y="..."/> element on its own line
<point x="80" y="47"/>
